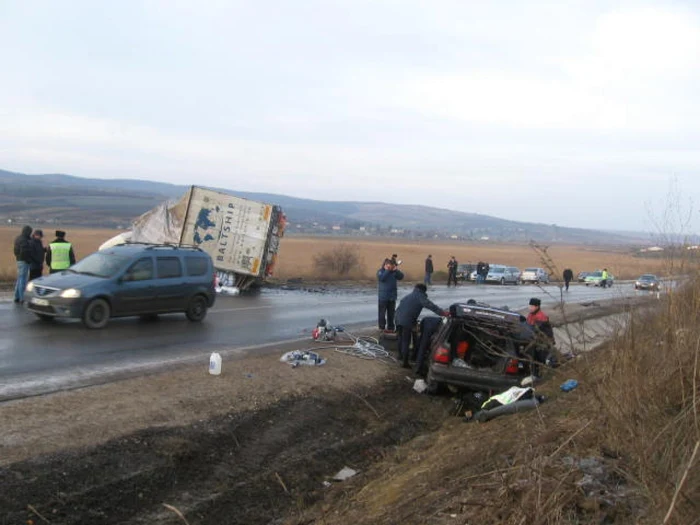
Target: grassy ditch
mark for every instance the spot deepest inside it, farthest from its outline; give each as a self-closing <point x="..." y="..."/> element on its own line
<point x="622" y="448"/>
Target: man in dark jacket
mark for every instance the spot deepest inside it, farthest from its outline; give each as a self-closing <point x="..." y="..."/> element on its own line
<point x="23" y="257"/>
<point x="387" y="277"/>
<point x="429" y="271"/>
<point x="38" y="252"/>
<point x="407" y="315"/>
<point x="568" y="277"/>
<point x="452" y="271"/>
<point x="60" y="254"/>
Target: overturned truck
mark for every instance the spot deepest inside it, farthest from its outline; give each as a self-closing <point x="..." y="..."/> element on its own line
<point x="242" y="236"/>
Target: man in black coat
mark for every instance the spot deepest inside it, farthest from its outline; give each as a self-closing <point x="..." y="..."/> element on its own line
<point x="23" y="258"/>
<point x="38" y="252"/>
<point x="407" y="314"/>
<point x="568" y="277"/>
<point x="429" y="269"/>
<point x="452" y="271"/>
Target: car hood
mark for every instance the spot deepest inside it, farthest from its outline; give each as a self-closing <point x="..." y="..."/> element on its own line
<point x="63" y="280"/>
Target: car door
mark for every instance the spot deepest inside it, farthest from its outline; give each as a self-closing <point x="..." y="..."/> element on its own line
<point x="171" y="290"/>
<point x="135" y="292"/>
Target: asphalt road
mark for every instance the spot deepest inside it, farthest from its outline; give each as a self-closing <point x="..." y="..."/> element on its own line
<point x="38" y="357"/>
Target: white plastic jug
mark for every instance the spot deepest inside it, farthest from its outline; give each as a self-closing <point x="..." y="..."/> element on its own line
<point x="215" y="364"/>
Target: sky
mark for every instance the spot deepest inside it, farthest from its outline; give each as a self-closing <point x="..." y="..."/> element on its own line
<point x="580" y="113"/>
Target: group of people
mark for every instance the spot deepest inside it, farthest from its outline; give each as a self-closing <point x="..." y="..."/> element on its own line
<point x="404" y="319"/>
<point x="452" y="266"/>
<point x="31" y="254"/>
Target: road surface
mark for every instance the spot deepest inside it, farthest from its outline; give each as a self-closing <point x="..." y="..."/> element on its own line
<point x="39" y="357"/>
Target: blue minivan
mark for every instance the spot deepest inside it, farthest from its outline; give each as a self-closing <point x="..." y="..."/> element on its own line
<point x="127" y="280"/>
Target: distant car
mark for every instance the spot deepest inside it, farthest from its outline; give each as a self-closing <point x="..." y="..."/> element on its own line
<point x="534" y="276"/>
<point x="482" y="348"/>
<point x="594" y="279"/>
<point x="581" y="277"/>
<point x="647" y="281"/>
<point x="503" y="274"/>
<point x="127" y="280"/>
<point x="465" y="271"/>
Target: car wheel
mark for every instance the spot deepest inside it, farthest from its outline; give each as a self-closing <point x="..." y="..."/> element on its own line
<point x="197" y="309"/>
<point x="434" y="387"/>
<point x="96" y="314"/>
<point x="44" y="317"/>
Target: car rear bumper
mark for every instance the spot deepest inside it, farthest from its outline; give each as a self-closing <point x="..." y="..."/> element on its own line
<point x="472" y="378"/>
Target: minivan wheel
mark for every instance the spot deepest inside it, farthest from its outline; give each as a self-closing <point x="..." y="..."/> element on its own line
<point x="197" y="309"/>
<point x="96" y="314"/>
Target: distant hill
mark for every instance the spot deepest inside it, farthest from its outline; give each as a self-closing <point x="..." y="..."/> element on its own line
<point x="69" y="200"/>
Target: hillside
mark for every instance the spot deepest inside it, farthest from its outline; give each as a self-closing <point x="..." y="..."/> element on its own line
<point x="114" y="203"/>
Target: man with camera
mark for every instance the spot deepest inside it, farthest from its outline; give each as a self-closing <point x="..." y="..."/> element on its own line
<point x="387" y="278"/>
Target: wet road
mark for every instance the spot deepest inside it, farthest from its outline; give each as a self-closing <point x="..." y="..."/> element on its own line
<point x="38" y="357"/>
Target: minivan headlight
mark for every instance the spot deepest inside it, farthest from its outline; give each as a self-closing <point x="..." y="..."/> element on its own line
<point x="70" y="293"/>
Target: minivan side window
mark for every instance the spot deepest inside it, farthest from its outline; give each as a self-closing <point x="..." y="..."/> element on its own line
<point x="141" y="270"/>
<point x="196" y="266"/>
<point x="168" y="267"/>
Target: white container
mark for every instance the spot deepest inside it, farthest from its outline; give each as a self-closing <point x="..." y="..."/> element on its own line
<point x="215" y="364"/>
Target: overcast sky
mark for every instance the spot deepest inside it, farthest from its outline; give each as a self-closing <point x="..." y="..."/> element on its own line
<point x="574" y="113"/>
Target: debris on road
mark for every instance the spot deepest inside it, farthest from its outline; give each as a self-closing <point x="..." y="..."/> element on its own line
<point x="302" y="357"/>
<point x="344" y="473"/>
<point x="513" y="400"/>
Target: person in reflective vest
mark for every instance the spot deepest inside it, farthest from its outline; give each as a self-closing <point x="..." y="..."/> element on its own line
<point x="59" y="255"/>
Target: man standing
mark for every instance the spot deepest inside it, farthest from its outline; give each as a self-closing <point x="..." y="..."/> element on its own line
<point x="60" y="254"/>
<point x="429" y="271"/>
<point x="479" y="272"/>
<point x="387" y="277"/>
<point x="452" y="271"/>
<point x="604" y="278"/>
<point x="568" y="277"/>
<point x="23" y="257"/>
<point x="539" y="321"/>
<point x="407" y="315"/>
<point x="38" y="252"/>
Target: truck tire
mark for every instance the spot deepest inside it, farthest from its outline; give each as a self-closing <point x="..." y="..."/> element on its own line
<point x="197" y="309"/>
<point x="96" y="315"/>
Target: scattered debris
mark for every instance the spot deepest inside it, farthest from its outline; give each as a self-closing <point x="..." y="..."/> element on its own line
<point x="344" y="473"/>
<point x="569" y="385"/>
<point x="302" y="357"/>
<point x="420" y="386"/>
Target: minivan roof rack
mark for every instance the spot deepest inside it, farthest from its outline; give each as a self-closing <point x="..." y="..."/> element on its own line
<point x="152" y="245"/>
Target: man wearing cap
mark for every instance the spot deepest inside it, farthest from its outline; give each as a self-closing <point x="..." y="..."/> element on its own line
<point x="60" y="254"/>
<point x="539" y="321"/>
<point x="38" y="252"/>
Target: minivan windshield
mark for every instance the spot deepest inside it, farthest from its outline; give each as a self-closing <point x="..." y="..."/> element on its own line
<point x="100" y="265"/>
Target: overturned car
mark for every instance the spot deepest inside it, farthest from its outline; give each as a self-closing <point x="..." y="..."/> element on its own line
<point x="483" y="348"/>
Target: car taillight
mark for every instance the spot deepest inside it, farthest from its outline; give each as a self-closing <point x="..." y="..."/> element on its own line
<point x="442" y="355"/>
<point x="512" y="367"/>
<point x="462" y="349"/>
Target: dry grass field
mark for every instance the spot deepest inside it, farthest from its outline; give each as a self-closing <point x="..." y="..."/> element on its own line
<point x="296" y="258"/>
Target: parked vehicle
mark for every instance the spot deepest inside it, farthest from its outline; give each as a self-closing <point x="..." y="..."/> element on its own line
<point x="647" y="281"/>
<point x="594" y="279"/>
<point x="503" y="274"/>
<point x="480" y="347"/>
<point x="534" y="276"/>
<point x="581" y="277"/>
<point x="241" y="236"/>
<point x="465" y="272"/>
<point x="127" y="280"/>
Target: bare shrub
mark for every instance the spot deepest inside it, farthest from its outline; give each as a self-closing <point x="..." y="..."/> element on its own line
<point x="340" y="261"/>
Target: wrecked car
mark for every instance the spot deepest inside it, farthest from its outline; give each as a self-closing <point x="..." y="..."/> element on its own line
<point x="483" y="348"/>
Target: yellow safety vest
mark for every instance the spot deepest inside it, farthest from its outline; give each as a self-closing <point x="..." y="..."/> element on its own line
<point x="60" y="255"/>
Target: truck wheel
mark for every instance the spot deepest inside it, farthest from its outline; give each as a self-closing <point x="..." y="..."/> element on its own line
<point x="197" y="309"/>
<point x="96" y="314"/>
